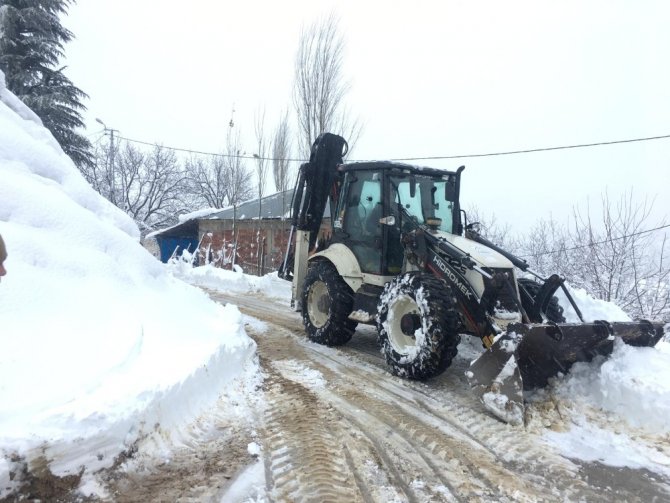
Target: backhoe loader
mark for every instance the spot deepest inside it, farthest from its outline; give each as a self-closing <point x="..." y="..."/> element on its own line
<point x="403" y="257"/>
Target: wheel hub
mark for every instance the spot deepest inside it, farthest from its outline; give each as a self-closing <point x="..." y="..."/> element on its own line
<point x="409" y="323"/>
<point x="318" y="304"/>
<point x="403" y="322"/>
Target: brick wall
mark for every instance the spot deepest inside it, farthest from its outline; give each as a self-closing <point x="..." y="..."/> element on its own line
<point x="260" y="244"/>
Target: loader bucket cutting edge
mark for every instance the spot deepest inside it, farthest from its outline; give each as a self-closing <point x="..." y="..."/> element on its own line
<point x="527" y="356"/>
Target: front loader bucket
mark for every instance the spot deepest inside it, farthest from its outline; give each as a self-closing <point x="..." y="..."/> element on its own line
<point x="526" y="356"/>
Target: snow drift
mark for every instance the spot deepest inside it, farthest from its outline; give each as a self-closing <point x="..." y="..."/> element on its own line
<point x="100" y="345"/>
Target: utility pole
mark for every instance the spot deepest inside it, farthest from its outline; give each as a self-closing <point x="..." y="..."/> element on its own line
<point x="111" y="139"/>
<point x="231" y="125"/>
<point x="110" y="167"/>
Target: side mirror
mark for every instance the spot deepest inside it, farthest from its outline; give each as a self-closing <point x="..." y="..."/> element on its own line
<point x="412" y="186"/>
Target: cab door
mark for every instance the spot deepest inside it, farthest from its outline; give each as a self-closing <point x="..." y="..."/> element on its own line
<point x="357" y="223"/>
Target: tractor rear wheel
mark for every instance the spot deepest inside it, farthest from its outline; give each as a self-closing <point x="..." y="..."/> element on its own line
<point x="418" y="326"/>
<point x="327" y="302"/>
<point x="554" y="310"/>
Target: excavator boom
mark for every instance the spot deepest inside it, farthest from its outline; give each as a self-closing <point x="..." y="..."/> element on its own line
<point x="316" y="182"/>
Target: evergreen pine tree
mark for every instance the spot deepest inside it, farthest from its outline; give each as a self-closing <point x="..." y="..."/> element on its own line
<point x="31" y="45"/>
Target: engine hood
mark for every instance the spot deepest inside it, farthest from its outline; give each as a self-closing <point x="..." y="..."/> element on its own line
<point x="483" y="255"/>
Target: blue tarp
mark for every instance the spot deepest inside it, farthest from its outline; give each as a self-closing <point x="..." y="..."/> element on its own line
<point x="168" y="245"/>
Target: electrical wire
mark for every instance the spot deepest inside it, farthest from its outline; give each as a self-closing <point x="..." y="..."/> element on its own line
<point x="596" y="243"/>
<point x="200" y="152"/>
<point x="426" y="158"/>
<point x="528" y="151"/>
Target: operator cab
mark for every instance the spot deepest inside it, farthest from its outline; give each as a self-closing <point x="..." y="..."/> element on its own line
<point x="379" y="201"/>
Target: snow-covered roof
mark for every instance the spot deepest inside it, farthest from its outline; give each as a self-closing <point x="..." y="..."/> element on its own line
<point x="187" y="224"/>
<point x="276" y="205"/>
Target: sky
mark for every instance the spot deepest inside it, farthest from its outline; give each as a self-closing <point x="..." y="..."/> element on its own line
<point x="438" y="78"/>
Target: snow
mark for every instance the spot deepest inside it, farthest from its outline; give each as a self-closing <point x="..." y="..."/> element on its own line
<point x="248" y="486"/>
<point x="632" y="388"/>
<point x="101" y="346"/>
<point x="619" y="406"/>
<point x="589" y="442"/>
<point x="503" y="407"/>
<point x="298" y="372"/>
<point x="592" y="309"/>
<point x="204" y="212"/>
<point x="227" y="281"/>
<point x="254" y="449"/>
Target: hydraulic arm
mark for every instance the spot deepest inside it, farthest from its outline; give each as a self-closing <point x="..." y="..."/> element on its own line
<point x="316" y="181"/>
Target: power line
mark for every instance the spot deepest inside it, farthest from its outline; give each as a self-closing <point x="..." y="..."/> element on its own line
<point x="200" y="152"/>
<point x="543" y="149"/>
<point x="101" y="132"/>
<point x="427" y="158"/>
<point x="594" y="244"/>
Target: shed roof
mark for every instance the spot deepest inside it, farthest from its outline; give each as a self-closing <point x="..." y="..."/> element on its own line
<point x="274" y="206"/>
<point x="181" y="230"/>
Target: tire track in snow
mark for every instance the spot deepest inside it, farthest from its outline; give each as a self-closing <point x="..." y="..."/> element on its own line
<point x="412" y="413"/>
<point x="527" y="458"/>
<point x="304" y="461"/>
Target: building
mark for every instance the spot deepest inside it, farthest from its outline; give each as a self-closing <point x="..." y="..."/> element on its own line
<point x="237" y="235"/>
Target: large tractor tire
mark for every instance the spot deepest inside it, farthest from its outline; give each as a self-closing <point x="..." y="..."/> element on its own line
<point x="327" y="302"/>
<point x="554" y="310"/>
<point x="418" y="326"/>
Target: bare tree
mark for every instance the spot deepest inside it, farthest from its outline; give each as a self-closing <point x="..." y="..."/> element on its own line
<point x="261" y="155"/>
<point x="652" y="289"/>
<point x="103" y="175"/>
<point x="281" y="153"/>
<point x="617" y="261"/>
<point x="319" y="88"/>
<point x="546" y="248"/>
<point x="262" y="167"/>
<point x="238" y="178"/>
<point x="150" y="187"/>
<point x="611" y="256"/>
<point x="207" y="180"/>
<point x="157" y="196"/>
<point x="491" y="229"/>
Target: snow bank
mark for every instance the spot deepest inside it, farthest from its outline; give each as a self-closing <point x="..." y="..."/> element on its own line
<point x="632" y="388"/>
<point x="100" y="345"/>
<point x="227" y="281"/>
<point x="633" y="384"/>
<point x="592" y="309"/>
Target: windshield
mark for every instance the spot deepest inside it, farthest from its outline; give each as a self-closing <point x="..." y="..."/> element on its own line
<point x="433" y="198"/>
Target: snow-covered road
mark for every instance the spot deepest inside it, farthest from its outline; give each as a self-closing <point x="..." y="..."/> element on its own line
<point x="338" y="426"/>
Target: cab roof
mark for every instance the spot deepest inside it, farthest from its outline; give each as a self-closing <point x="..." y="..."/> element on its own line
<point x="393" y="165"/>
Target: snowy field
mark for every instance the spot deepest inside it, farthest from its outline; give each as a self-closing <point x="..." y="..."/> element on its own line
<point x="105" y="350"/>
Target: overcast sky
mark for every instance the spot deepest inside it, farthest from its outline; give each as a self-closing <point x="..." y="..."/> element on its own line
<point x="435" y="78"/>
